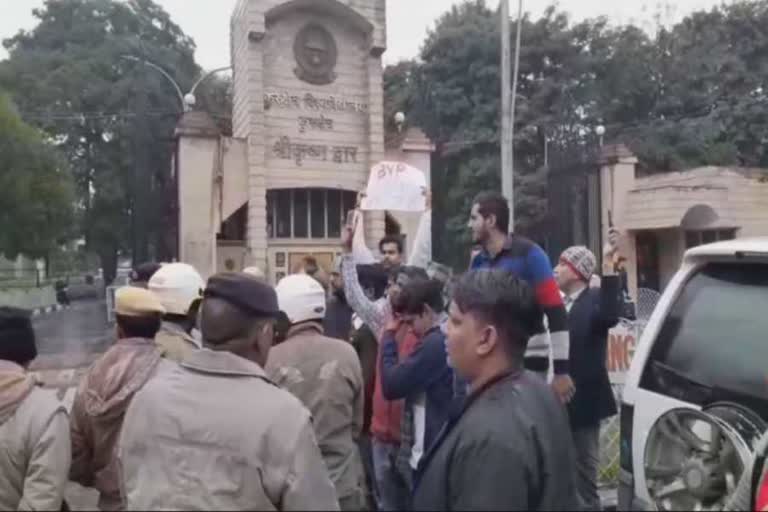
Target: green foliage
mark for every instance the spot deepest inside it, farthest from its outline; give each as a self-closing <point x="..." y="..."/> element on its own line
<point x="692" y="94"/>
<point x="399" y="92"/>
<point x="215" y="96"/>
<point x="35" y="190"/>
<point x="71" y="62"/>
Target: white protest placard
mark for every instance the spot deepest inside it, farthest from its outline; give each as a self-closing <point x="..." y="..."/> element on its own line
<point x="395" y="186"/>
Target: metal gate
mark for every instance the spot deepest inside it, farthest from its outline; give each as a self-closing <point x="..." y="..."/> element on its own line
<point x="574" y="209"/>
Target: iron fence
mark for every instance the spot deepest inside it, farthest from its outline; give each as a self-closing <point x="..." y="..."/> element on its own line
<point x="610" y="434"/>
<point x="573" y="199"/>
<point x="37" y="278"/>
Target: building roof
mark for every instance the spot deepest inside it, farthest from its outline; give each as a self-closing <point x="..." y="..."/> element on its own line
<point x="707" y="197"/>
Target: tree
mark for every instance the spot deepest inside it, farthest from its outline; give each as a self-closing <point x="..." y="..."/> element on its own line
<point x="457" y="102"/>
<point x="399" y="93"/>
<point x="215" y="96"/>
<point x="69" y="78"/>
<point x="692" y="94"/>
<point x="35" y="190"/>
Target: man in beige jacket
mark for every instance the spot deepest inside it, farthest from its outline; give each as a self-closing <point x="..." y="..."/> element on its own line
<point x="324" y="373"/>
<point x="179" y="288"/>
<point x="106" y="391"/>
<point x="214" y="433"/>
<point x="34" y="431"/>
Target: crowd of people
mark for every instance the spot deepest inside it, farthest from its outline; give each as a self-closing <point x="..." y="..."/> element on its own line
<point x="389" y="385"/>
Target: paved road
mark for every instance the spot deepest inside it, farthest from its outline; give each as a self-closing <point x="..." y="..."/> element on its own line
<point x="69" y="338"/>
<point x="68" y="342"/>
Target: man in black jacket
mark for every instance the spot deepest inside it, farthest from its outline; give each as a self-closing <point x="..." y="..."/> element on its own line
<point x="591" y="313"/>
<point x="338" y="314"/>
<point x="509" y="447"/>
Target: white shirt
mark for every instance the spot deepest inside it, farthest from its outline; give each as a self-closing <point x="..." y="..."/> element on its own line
<point x="570" y="299"/>
<point x="419" y="428"/>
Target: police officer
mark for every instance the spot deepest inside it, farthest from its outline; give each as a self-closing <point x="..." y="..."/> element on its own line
<point x="214" y="433"/>
<point x="179" y="288"/>
<point x="106" y="391"/>
<point x="324" y="373"/>
<point x="34" y="430"/>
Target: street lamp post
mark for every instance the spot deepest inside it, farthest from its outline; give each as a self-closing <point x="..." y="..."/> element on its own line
<point x="508" y="101"/>
<point x="141" y="183"/>
<point x="162" y="71"/>
<point x="188" y="100"/>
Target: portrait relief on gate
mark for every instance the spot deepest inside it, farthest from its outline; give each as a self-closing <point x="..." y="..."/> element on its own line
<point x="316" y="54"/>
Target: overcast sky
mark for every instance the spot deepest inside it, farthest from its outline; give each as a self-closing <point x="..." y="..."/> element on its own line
<point x="207" y="21"/>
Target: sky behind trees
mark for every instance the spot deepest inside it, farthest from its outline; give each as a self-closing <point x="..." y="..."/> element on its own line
<point x="207" y="21"/>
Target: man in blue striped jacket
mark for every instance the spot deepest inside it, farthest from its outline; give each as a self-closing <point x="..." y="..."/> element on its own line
<point x="489" y="222"/>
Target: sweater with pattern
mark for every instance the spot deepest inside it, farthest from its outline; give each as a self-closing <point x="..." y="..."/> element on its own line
<point x="529" y="262"/>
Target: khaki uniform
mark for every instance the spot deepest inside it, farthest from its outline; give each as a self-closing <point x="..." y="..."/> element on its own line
<point x="324" y="373"/>
<point x="174" y="342"/>
<point x="34" y="443"/>
<point x="213" y="433"/>
<point x="98" y="412"/>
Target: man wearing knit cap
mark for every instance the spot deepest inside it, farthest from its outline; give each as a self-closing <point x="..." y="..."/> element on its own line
<point x="214" y="433"/>
<point x="107" y="390"/>
<point x="35" y="447"/>
<point x="591" y="313"/>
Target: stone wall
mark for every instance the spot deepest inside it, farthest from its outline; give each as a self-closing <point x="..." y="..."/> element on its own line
<point x="28" y="298"/>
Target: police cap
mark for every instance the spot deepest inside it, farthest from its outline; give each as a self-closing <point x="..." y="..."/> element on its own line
<point x="244" y="291"/>
<point x="136" y="302"/>
<point x="144" y="272"/>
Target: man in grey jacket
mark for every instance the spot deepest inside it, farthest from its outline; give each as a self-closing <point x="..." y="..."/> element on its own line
<point x="510" y="446"/>
<point x="324" y="373"/>
<point x="214" y="433"/>
<point x="34" y="430"/>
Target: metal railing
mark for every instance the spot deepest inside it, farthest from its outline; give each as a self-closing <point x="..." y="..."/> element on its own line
<point x="608" y="473"/>
<point x="35" y="278"/>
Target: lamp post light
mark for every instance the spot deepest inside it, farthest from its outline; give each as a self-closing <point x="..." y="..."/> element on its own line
<point x="188" y="100"/>
<point x="161" y="71"/>
<point x="399" y="121"/>
<point x="142" y="184"/>
<point x="600" y="131"/>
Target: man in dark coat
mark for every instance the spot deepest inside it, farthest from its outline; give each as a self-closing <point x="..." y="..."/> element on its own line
<point x="141" y="275"/>
<point x="591" y="313"/>
<point x="509" y="447"/>
<point x="338" y="315"/>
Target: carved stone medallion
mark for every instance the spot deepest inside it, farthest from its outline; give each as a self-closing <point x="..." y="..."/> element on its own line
<point x="316" y="53"/>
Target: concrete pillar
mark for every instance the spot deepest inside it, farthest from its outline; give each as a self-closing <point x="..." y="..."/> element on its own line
<point x="197" y="137"/>
<point x="617" y="179"/>
<point x="375" y="221"/>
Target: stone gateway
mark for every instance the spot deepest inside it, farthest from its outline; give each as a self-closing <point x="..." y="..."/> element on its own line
<point x="308" y="125"/>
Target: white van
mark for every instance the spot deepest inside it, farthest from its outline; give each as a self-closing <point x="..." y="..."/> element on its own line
<point x="696" y="396"/>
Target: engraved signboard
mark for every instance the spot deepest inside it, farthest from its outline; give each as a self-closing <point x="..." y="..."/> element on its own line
<point x="316" y="53"/>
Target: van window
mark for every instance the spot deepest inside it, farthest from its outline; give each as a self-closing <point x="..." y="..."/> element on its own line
<point x="715" y="338"/>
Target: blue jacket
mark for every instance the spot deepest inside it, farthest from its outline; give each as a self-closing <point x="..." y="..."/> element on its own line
<point x="425" y="371"/>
